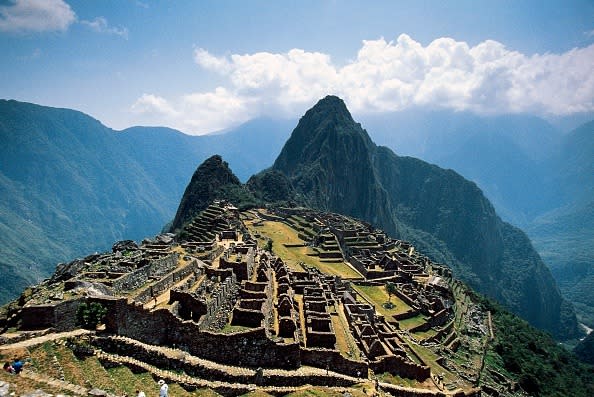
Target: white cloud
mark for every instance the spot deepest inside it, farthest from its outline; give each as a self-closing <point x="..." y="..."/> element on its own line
<point x="100" y="25"/>
<point x="391" y="76"/>
<point x="208" y="61"/>
<point x="36" y="16"/>
<point x="197" y="113"/>
<point x="149" y="103"/>
<point x="214" y="111"/>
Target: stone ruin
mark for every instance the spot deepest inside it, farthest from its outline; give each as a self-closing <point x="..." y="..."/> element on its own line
<point x="214" y="294"/>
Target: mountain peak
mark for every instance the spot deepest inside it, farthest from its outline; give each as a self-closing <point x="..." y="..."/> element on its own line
<point x="330" y="107"/>
<point x="331" y="102"/>
<point x="212" y="175"/>
<point x="326" y="128"/>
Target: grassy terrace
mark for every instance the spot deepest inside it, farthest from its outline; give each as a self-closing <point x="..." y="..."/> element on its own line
<point x="282" y="234"/>
<point x="56" y="361"/>
<point x="378" y="296"/>
<point x="345" y="342"/>
<point x="430" y="359"/>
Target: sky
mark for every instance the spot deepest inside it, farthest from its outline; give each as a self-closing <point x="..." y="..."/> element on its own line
<point x="204" y="66"/>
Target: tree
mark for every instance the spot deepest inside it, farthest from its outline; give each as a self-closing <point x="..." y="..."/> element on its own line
<point x="391" y="290"/>
<point x="268" y="246"/>
<point x="90" y="315"/>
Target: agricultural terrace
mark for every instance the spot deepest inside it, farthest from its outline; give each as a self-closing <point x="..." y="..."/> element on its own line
<point x="293" y="250"/>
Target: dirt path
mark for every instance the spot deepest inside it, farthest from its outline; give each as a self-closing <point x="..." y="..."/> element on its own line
<point x="40" y="339"/>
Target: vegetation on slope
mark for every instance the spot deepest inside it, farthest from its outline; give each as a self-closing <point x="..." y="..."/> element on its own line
<point x="585" y="349"/>
<point x="540" y="365"/>
<point x="68" y="189"/>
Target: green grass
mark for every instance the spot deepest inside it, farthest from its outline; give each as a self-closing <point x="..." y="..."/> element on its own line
<point x="430" y="359"/>
<point x="229" y="329"/>
<point x="318" y="391"/>
<point x="378" y="296"/>
<point x="281" y="234"/>
<point x="344" y="339"/>
<point x="95" y="373"/>
<point x="397" y="380"/>
<point x="412" y="322"/>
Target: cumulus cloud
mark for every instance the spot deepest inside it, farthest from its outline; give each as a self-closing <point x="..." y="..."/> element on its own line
<point x="36" y="16"/>
<point x="392" y="76"/>
<point x="100" y="25"/>
<point x="22" y="16"/>
<point x="197" y="113"/>
<point x="149" y="103"/>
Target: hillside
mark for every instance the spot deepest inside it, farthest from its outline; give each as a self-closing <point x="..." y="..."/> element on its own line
<point x="565" y="235"/>
<point x="585" y="349"/>
<point x="55" y="165"/>
<point x="70" y="185"/>
<point x="163" y="160"/>
<point x="334" y="165"/>
<point x="513" y="159"/>
<point x="497" y="152"/>
<point x="212" y="180"/>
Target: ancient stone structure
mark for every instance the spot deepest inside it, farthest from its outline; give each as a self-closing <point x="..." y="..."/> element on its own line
<point x="214" y="294"/>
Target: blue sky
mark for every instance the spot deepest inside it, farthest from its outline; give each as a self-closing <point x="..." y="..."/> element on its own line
<point x="202" y="66"/>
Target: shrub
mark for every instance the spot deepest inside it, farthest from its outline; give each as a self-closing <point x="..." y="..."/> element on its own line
<point x="90" y="315"/>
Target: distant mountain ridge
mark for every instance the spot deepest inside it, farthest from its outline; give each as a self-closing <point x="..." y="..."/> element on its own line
<point x="537" y="177"/>
<point x="55" y="167"/>
<point x="70" y="185"/>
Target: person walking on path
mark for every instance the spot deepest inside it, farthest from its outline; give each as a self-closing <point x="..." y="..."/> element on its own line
<point x="164" y="390"/>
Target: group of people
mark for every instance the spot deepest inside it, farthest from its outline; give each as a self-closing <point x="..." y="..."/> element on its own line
<point x="17" y="366"/>
<point x="14" y="368"/>
<point x="163" y="390"/>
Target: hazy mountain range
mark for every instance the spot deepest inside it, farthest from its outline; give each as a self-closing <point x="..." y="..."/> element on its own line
<point x="57" y="163"/>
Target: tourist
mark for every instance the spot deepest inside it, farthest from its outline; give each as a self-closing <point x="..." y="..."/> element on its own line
<point x="140" y="393"/>
<point x="8" y="368"/>
<point x="164" y="390"/>
<point x="14" y="368"/>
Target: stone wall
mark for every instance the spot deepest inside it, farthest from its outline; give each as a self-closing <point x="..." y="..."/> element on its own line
<point x="207" y="370"/>
<point x="406" y="315"/>
<point x="191" y="308"/>
<point x="221" y="295"/>
<point x="60" y="316"/>
<point x="439" y="318"/>
<point x="161" y="327"/>
<point x="396" y="365"/>
<point x="242" y="270"/>
<point x="247" y="317"/>
<point x="333" y="360"/>
<point x="164" y="283"/>
<point x="137" y="278"/>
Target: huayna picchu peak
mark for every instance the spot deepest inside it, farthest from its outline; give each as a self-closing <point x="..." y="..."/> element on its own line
<point x="334" y="166"/>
